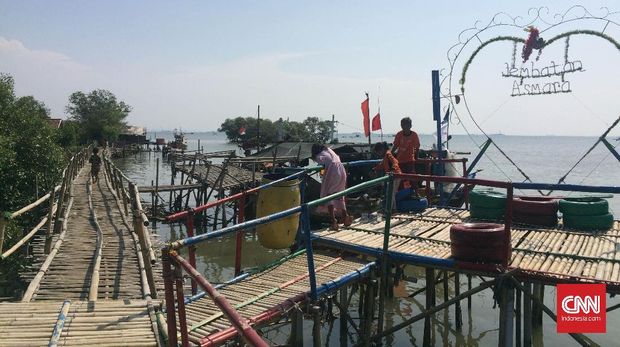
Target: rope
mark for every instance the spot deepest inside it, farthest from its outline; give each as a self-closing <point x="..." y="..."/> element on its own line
<point x="588" y="109"/>
<point x="493" y="142"/>
<point x="595" y="167"/>
<point x="479" y="146"/>
<point x="561" y="180"/>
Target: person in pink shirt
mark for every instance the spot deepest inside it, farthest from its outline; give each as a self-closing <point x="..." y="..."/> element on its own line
<point x="334" y="181"/>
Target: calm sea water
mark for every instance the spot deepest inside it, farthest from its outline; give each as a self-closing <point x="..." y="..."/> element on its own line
<point x="543" y="159"/>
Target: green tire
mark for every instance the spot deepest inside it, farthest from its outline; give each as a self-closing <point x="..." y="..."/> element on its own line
<point x="487" y="199"/>
<point x="584" y="206"/>
<point x="588" y="223"/>
<point x="485" y="213"/>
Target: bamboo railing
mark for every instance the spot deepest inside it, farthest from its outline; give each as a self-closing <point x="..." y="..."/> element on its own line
<point x="127" y="194"/>
<point x="60" y="224"/>
<point x="56" y="209"/>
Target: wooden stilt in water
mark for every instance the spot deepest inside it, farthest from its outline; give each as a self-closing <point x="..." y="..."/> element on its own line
<point x="518" y="318"/>
<point x="344" y="339"/>
<point x="316" y="327"/>
<point x="458" y="315"/>
<point x="527" y="315"/>
<point x="297" y="328"/>
<point x="469" y="288"/>
<point x="506" y="315"/>
<point x="369" y="303"/>
<point x="537" y="310"/>
<point x="446" y="288"/>
<point x="430" y="302"/>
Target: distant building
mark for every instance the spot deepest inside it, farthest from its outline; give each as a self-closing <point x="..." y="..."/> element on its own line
<point x="54" y="123"/>
<point x="133" y="135"/>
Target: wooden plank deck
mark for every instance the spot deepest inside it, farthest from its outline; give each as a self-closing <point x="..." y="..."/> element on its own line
<point x="100" y="323"/>
<point x="233" y="177"/>
<point x="258" y="293"/>
<point x="539" y="251"/>
<point x="120" y="316"/>
<point x="69" y="274"/>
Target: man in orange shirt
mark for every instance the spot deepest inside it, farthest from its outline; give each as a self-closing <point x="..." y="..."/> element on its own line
<point x="406" y="146"/>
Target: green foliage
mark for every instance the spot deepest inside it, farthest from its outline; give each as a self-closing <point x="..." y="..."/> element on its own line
<point x="312" y="129"/>
<point x="98" y="114"/>
<point x="69" y="134"/>
<point x="29" y="155"/>
<point x="30" y="159"/>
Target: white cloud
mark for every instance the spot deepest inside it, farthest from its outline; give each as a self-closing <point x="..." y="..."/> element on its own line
<point x="47" y="75"/>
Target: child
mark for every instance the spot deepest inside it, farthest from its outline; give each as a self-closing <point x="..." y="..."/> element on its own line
<point x="95" y="164"/>
<point x="389" y="164"/>
<point x="334" y="181"/>
<point x="406" y="146"/>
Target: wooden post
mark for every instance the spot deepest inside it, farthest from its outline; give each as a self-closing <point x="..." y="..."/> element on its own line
<point x="156" y="186"/>
<point x="344" y="339"/>
<point x="48" y="232"/>
<point x="240" y="235"/>
<point x="316" y="327"/>
<point x="458" y="316"/>
<point x="469" y="288"/>
<point x="169" y="293"/>
<point x="181" y="306"/>
<point x="518" y="318"/>
<point x="446" y="288"/>
<point x="537" y="310"/>
<point x="60" y="205"/>
<point x="506" y="315"/>
<point x="430" y="302"/>
<point x="527" y="315"/>
<point x="297" y="328"/>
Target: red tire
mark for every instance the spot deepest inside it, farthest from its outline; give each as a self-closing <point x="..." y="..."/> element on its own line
<point x="535" y="205"/>
<point x="481" y="242"/>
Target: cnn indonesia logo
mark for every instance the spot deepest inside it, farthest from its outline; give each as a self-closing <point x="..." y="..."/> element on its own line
<point x="581" y="308"/>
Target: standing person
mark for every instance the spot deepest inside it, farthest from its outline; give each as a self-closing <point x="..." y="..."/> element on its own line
<point x="406" y="146"/>
<point x="389" y="164"/>
<point x="95" y="164"/>
<point x="334" y="181"/>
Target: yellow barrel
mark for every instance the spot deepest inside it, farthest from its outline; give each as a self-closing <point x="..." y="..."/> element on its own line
<point x="282" y="196"/>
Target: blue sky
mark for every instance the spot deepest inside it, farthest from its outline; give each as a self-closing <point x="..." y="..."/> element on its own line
<point x="192" y="64"/>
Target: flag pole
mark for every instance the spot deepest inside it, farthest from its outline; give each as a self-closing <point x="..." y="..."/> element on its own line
<point x="369" y="128"/>
<point x="379" y="110"/>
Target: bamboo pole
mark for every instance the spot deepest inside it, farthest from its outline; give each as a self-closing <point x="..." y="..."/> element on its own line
<point x="30" y="206"/>
<point x="60" y="323"/>
<point x="48" y="232"/>
<point x="94" y="281"/>
<point x="25" y="239"/>
<point x="34" y="284"/>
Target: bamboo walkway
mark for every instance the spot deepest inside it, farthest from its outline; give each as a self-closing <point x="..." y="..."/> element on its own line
<point x="94" y="323"/>
<point x="271" y="292"/>
<point x="547" y="254"/>
<point x="91" y="281"/>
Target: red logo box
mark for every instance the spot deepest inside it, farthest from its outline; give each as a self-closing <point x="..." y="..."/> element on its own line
<point x="581" y="308"/>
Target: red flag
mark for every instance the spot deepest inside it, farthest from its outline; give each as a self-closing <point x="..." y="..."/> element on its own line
<point x="376" y="122"/>
<point x="366" y="113"/>
<point x="242" y="131"/>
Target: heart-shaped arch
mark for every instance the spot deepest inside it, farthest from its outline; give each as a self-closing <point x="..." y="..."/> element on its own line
<point x="538" y="17"/>
<point x="521" y="40"/>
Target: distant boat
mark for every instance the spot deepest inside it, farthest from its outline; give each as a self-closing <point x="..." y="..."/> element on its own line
<point x="179" y="141"/>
